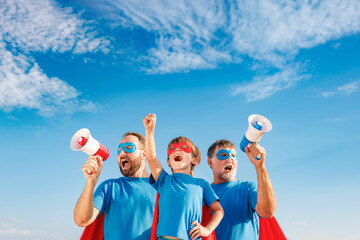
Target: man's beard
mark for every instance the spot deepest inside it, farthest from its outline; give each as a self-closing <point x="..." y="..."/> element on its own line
<point x="134" y="166"/>
<point x="226" y="176"/>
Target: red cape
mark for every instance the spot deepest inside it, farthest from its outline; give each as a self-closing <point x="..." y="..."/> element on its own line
<point x="269" y="228"/>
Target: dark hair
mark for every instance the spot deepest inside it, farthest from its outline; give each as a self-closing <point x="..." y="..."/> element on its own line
<point x="219" y="143"/>
<point x="195" y="153"/>
<point x="140" y="138"/>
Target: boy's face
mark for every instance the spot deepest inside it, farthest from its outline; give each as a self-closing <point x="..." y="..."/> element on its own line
<point x="180" y="158"/>
<point x="130" y="163"/>
<point x="224" y="170"/>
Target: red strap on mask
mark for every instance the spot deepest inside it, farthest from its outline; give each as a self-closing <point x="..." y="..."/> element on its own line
<point x="174" y="146"/>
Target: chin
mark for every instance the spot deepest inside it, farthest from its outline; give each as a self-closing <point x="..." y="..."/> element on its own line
<point x="227" y="176"/>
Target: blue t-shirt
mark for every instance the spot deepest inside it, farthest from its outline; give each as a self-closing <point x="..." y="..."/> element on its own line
<point x="180" y="202"/>
<point x="129" y="204"/>
<point x="238" y="200"/>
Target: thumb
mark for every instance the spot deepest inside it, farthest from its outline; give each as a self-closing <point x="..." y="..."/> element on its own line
<point x="99" y="160"/>
<point x="247" y="151"/>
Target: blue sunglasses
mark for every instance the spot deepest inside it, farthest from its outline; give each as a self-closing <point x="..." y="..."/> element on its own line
<point x="128" y="147"/>
<point x="224" y="154"/>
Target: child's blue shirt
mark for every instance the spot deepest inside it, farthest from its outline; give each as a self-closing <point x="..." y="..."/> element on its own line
<point x="180" y="202"/>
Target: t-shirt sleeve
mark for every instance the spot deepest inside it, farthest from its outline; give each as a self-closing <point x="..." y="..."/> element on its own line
<point x="160" y="181"/>
<point x="100" y="197"/>
<point x="252" y="195"/>
<point x="209" y="195"/>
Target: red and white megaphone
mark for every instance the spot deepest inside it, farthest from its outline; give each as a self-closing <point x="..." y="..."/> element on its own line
<point x="258" y="126"/>
<point x="83" y="141"/>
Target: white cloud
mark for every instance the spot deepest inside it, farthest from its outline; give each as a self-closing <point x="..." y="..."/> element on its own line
<point x="349" y="88"/>
<point x="11" y="228"/>
<point x="328" y="94"/>
<point x="266" y="85"/>
<point x="265" y="30"/>
<point x="24" y="85"/>
<point x="346" y="89"/>
<point x="41" y="26"/>
<point x="205" y="33"/>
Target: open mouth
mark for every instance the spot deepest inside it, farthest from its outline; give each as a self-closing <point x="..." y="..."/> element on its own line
<point x="125" y="163"/>
<point x="228" y="168"/>
<point x="178" y="158"/>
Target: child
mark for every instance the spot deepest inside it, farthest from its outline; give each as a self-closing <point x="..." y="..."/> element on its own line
<point x="181" y="195"/>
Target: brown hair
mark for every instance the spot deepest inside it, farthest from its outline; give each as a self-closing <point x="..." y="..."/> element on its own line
<point x="195" y="153"/>
<point x="219" y="143"/>
<point x="140" y="138"/>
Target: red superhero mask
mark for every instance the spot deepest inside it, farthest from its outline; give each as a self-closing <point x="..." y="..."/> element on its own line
<point x="183" y="146"/>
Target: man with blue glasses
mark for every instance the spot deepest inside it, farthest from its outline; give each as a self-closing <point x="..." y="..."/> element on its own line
<point x="242" y="201"/>
<point x="128" y="202"/>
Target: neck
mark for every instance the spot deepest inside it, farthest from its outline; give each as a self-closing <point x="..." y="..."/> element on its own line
<point x="221" y="180"/>
<point x="141" y="173"/>
<point x="182" y="171"/>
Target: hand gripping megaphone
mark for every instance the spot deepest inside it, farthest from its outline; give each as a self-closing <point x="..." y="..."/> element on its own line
<point x="83" y="141"/>
<point x="258" y="125"/>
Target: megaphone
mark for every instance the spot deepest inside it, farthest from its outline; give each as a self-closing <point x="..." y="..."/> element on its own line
<point x="83" y="141"/>
<point x="258" y="125"/>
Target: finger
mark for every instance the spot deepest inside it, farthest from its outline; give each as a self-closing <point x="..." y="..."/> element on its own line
<point x="194" y="223"/>
<point x="248" y="152"/>
<point x="91" y="158"/>
<point x="255" y="146"/>
<point x="93" y="166"/>
<point x="88" y="168"/>
<point x="99" y="160"/>
<point x="192" y="230"/>
<point x="93" y="163"/>
<point x="196" y="235"/>
<point x="193" y="233"/>
<point x="255" y="152"/>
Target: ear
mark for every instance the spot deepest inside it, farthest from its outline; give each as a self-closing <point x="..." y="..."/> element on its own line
<point x="168" y="163"/>
<point x="143" y="155"/>
<point x="195" y="161"/>
<point x="210" y="162"/>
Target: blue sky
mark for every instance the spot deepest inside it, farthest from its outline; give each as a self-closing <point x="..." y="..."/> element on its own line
<point x="203" y="67"/>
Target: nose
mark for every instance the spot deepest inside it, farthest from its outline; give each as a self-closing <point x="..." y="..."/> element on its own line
<point x="122" y="152"/>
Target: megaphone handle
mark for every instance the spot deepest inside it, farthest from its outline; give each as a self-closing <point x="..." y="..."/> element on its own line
<point x="90" y="172"/>
<point x="258" y="157"/>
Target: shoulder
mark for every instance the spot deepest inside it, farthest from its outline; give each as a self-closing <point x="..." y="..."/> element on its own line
<point x="236" y="184"/>
<point x="249" y="184"/>
<point x="111" y="181"/>
<point x="202" y="182"/>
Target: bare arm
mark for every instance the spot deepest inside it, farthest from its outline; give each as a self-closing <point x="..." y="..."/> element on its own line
<point x="85" y="212"/>
<point x="218" y="214"/>
<point x="154" y="163"/>
<point x="266" y="200"/>
<point x="201" y="231"/>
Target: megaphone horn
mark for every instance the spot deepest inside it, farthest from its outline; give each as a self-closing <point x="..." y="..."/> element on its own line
<point x="83" y="141"/>
<point x="258" y="126"/>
